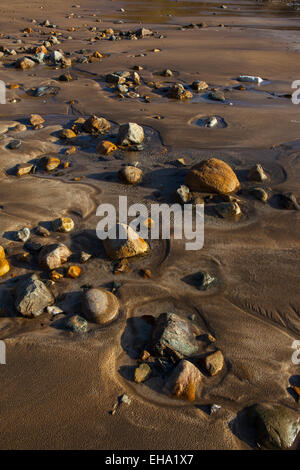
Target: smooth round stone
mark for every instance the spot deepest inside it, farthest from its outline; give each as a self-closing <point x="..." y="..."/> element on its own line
<point x="99" y="306"/>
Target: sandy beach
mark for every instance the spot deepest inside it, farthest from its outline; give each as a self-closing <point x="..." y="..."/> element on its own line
<point x="62" y="389"/>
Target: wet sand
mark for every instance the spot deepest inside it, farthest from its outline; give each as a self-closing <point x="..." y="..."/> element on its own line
<point x="58" y="388"/>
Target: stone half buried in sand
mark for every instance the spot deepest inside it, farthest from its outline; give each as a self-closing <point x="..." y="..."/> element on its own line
<point x="173" y="336"/>
<point x="96" y="125"/>
<point x="32" y="297"/>
<point x="128" y="243"/>
<point x="99" y="306"/>
<point x="277" y="427"/>
<point x="185" y="381"/>
<point x="53" y="256"/>
<point x="213" y="176"/>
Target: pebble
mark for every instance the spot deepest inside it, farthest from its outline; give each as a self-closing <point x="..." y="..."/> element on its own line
<point x="228" y="209"/>
<point x="182" y="194"/>
<point x="54" y="310"/>
<point x="130" y="175"/>
<point x="23" y="169"/>
<point x="260" y="194"/>
<point x="63" y="224"/>
<point x="199" y="85"/>
<point x="288" y="201"/>
<point x="23" y="235"/>
<point x="36" y="121"/>
<point x="50" y="163"/>
<point x="142" y="373"/>
<point x="130" y="133"/>
<point x="129" y="245"/>
<point x="184" y="381"/>
<point x="77" y="324"/>
<point x="14" y="144"/>
<point x="213" y="363"/>
<point x="106" y="147"/>
<point x="74" y="272"/>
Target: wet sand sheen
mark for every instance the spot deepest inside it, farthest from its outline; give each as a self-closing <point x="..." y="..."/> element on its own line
<point x="59" y="388"/>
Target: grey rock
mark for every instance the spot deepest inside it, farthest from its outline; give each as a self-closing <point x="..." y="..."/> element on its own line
<point x="277" y="427"/>
<point x="77" y="324"/>
<point x="130" y="133"/>
<point x="99" y="306"/>
<point x="217" y="95"/>
<point x="256" y="173"/>
<point x="14" y="144"/>
<point x="23" y="235"/>
<point x="173" y="336"/>
<point x="260" y="194"/>
<point x="32" y="297"/>
<point x="205" y="280"/>
<point x="228" y="209"/>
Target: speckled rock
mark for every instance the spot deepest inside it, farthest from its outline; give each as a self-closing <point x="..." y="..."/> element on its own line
<point x="99" y="306"/>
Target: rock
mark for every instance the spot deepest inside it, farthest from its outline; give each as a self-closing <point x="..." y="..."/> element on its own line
<point x="217" y="95"/>
<point x="50" y="163"/>
<point x="250" y="79"/>
<point x="184" y="381"/>
<point x="143" y="32"/>
<point x="115" y="79"/>
<point x="23" y="169"/>
<point x="95" y="125"/>
<point x="173" y="336"/>
<point x="256" y="173"/>
<point x="84" y="257"/>
<point x="228" y="209"/>
<point x="214" y="176"/>
<point x="25" y="63"/>
<point x="67" y="134"/>
<point x="56" y="57"/>
<point x="19" y="128"/>
<point x="199" y="85"/>
<point x="122" y="267"/>
<point x="178" y="92"/>
<point x="125" y="399"/>
<point x="14" y="144"/>
<point x="205" y="280"/>
<point x="122" y="88"/>
<point x="23" y="235"/>
<point x="4" y="264"/>
<point x="288" y="201"/>
<point x="32" y="297"/>
<point x="212" y="122"/>
<point x="129" y="244"/>
<point x="130" y="133"/>
<point x="36" y="121"/>
<point x="213" y="363"/>
<point x="45" y="91"/>
<point x="63" y="224"/>
<point x="74" y="272"/>
<point x="53" y="256"/>
<point x="167" y="73"/>
<point x="99" y="306"/>
<point x="42" y="231"/>
<point x="277" y="427"/>
<point x="182" y="194"/>
<point x="77" y="324"/>
<point x="54" y="310"/>
<point x="136" y="78"/>
<point x="142" y="373"/>
<point x="260" y="194"/>
<point x="105" y="147"/>
<point x="130" y="175"/>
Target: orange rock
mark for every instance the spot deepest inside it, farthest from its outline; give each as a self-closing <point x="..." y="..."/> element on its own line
<point x="213" y="363"/>
<point x="70" y="150"/>
<point x="55" y="275"/>
<point x="146" y="273"/>
<point x="297" y="391"/>
<point x="28" y="30"/>
<point x="145" y="355"/>
<point x="12" y="86"/>
<point x="2" y="253"/>
<point x="184" y="381"/>
<point x="214" y="176"/>
<point x="105" y="147"/>
<point x="4" y="267"/>
<point x="74" y="272"/>
<point x="67" y="134"/>
<point x="97" y="55"/>
<point x="39" y="49"/>
<point x="66" y="165"/>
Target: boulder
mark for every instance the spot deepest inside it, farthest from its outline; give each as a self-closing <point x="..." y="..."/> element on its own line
<point x="184" y="381"/>
<point x="129" y="244"/>
<point x="213" y="176"/>
<point x="32" y="296"/>
<point x="53" y="256"/>
<point x="173" y="336"/>
<point x="99" y="306"/>
<point x="277" y="427"/>
<point x="130" y="133"/>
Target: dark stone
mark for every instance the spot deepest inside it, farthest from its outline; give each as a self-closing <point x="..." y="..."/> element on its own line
<point x="288" y="201"/>
<point x="77" y="324"/>
<point x="277" y="427"/>
<point x="173" y="336"/>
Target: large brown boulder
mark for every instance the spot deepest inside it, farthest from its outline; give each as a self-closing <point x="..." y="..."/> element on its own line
<point x="212" y="176"/>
